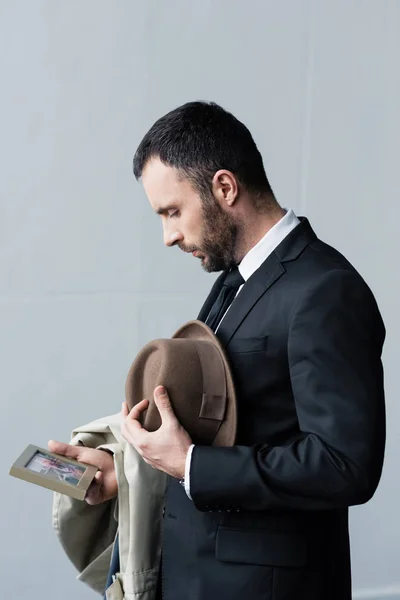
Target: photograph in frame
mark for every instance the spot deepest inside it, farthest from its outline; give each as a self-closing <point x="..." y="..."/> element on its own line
<point x="53" y="471"/>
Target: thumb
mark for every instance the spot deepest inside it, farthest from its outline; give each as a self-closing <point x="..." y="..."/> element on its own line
<point x="163" y="403"/>
<point x="64" y="449"/>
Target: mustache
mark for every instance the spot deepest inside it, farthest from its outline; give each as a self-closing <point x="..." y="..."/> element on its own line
<point x="188" y="249"/>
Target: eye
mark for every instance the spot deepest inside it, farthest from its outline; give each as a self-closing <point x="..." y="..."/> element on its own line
<point x="173" y="213"/>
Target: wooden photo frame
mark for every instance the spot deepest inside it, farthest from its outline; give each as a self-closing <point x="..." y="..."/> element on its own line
<point x="54" y="472"/>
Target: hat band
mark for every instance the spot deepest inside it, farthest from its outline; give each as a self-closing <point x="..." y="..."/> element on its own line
<point x="214" y="398"/>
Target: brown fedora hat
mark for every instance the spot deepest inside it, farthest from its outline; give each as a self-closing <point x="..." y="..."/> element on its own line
<point x="195" y="370"/>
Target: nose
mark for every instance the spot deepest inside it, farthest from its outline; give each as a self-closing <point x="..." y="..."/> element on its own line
<point x="171" y="235"/>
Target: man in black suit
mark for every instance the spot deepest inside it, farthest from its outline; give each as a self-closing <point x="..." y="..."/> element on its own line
<point x="266" y="519"/>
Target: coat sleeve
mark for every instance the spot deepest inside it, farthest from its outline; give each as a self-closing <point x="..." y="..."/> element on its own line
<point x="334" y="353"/>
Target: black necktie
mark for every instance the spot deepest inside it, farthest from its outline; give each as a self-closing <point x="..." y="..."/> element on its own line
<point x="229" y="289"/>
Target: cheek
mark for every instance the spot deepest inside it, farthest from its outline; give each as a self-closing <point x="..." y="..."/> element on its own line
<point x="192" y="230"/>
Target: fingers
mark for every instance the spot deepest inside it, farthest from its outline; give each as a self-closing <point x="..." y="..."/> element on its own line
<point x="64" y="449"/>
<point x="93" y="495"/>
<point x="137" y="410"/>
<point x="131" y="427"/>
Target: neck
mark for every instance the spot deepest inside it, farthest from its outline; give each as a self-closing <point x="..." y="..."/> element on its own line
<point x="255" y="227"/>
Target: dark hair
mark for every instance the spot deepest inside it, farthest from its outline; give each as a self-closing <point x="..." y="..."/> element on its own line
<point x="198" y="139"/>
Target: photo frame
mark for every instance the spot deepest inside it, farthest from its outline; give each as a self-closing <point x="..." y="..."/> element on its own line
<point x="54" y="471"/>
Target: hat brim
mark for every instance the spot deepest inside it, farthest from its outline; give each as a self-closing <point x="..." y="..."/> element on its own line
<point x="195" y="329"/>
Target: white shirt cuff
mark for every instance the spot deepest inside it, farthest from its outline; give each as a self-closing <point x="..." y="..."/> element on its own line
<point x="187" y="471"/>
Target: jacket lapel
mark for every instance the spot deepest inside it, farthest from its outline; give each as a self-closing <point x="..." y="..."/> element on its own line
<point x="270" y="271"/>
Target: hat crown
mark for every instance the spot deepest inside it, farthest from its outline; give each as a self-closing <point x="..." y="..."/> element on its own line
<point x="193" y="373"/>
<point x="194" y="368"/>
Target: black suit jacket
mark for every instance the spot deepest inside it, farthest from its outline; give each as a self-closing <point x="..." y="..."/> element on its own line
<point x="269" y="516"/>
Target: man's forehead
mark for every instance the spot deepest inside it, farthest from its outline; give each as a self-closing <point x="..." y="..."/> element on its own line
<point x="163" y="185"/>
<point x="156" y="172"/>
<point x="158" y="183"/>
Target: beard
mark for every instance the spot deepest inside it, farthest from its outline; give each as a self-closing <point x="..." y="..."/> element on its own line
<point x="219" y="238"/>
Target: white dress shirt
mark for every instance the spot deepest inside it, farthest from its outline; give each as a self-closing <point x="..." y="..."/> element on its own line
<point x="250" y="263"/>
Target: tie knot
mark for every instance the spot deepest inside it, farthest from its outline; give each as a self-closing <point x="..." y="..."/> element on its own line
<point x="234" y="279"/>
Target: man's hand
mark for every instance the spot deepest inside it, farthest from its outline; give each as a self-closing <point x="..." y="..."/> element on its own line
<point x="104" y="485"/>
<point x="164" y="449"/>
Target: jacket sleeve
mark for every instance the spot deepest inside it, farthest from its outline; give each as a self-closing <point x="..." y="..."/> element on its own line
<point x="334" y="354"/>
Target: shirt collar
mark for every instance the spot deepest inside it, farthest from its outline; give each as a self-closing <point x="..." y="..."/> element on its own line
<point x="274" y="236"/>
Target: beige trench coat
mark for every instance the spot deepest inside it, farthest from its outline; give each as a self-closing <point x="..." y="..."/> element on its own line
<point x="87" y="533"/>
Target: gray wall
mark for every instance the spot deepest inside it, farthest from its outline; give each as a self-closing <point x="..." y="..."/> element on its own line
<point x="84" y="278"/>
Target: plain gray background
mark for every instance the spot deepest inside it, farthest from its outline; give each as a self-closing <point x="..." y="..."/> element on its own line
<point x="84" y="278"/>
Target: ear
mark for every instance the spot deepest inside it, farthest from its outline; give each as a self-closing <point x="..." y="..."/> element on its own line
<point x="225" y="187"/>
